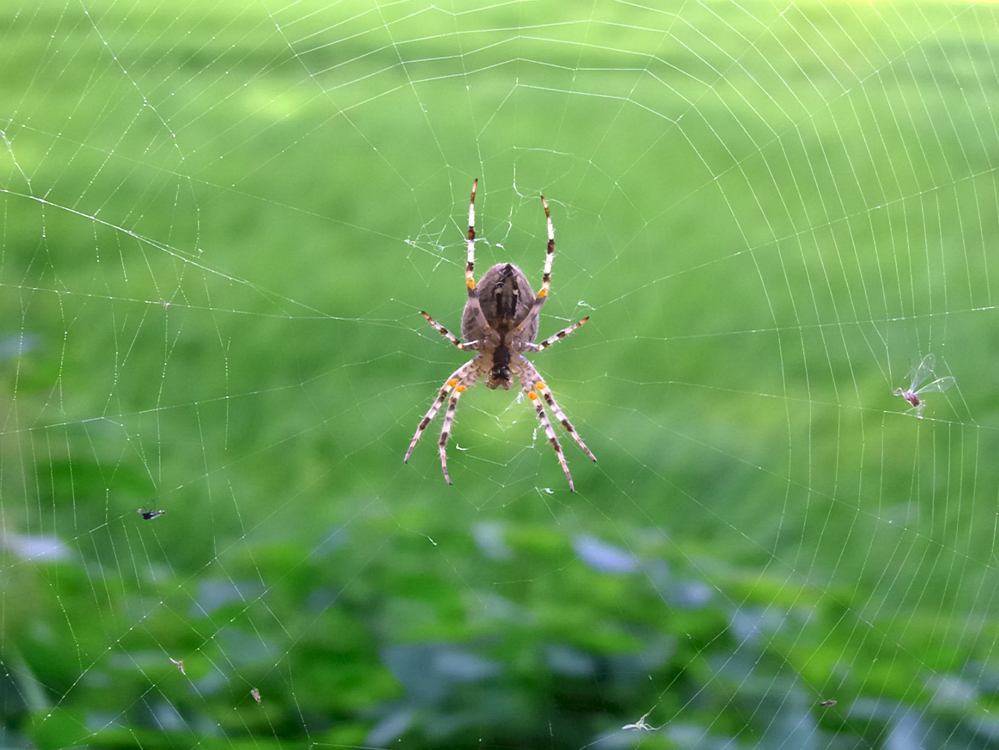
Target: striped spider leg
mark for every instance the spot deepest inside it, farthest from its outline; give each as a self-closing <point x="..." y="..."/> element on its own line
<point x="532" y="347"/>
<point x="537" y="391"/>
<point x="461" y="380"/>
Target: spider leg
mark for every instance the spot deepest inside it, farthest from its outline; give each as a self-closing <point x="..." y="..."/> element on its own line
<point x="457" y="377"/>
<point x="446" y="429"/>
<point x="546" y="279"/>
<point x="532" y="347"/>
<point x="532" y="382"/>
<point x="560" y="416"/>
<point x="473" y="306"/>
<point x="549" y="432"/>
<point x="471" y="346"/>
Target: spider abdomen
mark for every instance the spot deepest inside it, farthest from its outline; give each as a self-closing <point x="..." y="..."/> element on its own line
<point x="506" y="297"/>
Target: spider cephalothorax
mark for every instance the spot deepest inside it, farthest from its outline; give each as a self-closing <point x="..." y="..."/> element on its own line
<point x="500" y="323"/>
<point x="499" y="375"/>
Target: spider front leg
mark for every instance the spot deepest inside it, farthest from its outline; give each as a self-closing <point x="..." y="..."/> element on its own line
<point x="457" y="377"/>
<point x="474" y="305"/>
<point x="549" y="432"/>
<point x="560" y="416"/>
<point x="535" y="386"/>
<point x="446" y="429"/>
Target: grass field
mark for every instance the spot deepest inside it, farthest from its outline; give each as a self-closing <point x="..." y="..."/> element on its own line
<point x="219" y="225"/>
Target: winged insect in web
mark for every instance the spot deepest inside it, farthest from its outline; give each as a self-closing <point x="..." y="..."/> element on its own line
<point x="924" y="373"/>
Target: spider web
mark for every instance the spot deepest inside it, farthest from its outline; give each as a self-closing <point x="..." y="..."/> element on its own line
<point x="219" y="225"/>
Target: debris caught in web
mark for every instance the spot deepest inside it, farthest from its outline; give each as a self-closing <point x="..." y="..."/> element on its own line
<point x="642" y="725"/>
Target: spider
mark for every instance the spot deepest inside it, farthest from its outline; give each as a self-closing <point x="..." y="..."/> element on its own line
<point x="500" y="323"/>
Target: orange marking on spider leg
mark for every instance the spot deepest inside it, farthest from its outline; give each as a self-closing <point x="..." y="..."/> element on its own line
<point x="452" y="382"/>
<point x="540" y="386"/>
<point x="461" y="388"/>
<point x="543" y="293"/>
<point x="470" y="283"/>
<point x="533" y="396"/>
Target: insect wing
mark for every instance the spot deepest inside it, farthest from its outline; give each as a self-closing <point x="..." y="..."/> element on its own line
<point x="924" y="371"/>
<point x="940" y="384"/>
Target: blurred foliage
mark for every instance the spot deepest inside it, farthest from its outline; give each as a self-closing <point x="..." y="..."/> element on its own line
<point x="219" y="224"/>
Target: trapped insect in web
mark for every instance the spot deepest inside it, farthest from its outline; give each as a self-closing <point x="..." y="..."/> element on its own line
<point x="924" y="372"/>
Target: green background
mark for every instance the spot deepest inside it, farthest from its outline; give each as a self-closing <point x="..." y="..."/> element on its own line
<point x="219" y="224"/>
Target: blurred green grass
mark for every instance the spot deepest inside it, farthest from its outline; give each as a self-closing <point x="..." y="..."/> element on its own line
<point x="222" y="237"/>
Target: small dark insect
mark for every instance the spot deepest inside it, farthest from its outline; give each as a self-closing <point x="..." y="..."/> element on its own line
<point x="256" y="695"/>
<point x="500" y="324"/>
<point x="179" y="663"/>
<point x="149" y="515"/>
<point x="825" y="704"/>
